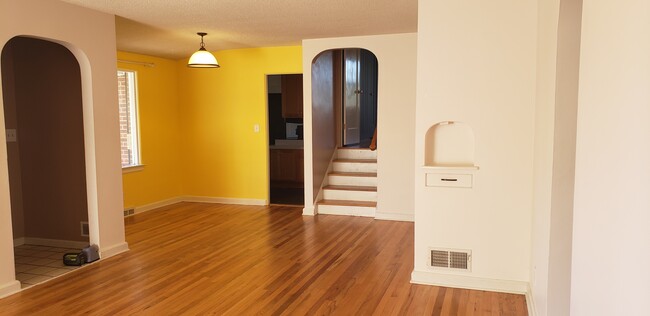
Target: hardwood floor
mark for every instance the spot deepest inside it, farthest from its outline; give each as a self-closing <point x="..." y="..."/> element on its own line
<point x="197" y="259"/>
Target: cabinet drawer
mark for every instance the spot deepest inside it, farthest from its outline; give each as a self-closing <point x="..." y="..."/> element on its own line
<point x="449" y="180"/>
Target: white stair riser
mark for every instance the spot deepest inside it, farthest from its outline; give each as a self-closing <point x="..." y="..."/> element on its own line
<point x="349" y="195"/>
<point x="354" y="167"/>
<point x="356" y="154"/>
<point x="347" y="210"/>
<point x="351" y="180"/>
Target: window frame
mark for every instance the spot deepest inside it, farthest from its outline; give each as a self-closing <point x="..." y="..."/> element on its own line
<point x="134" y="118"/>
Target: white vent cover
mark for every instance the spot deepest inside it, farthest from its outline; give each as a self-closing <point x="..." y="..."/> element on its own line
<point x="450" y="258"/>
<point x="85" y="231"/>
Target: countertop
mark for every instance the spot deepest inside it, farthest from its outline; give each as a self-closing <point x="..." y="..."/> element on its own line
<point x="286" y="147"/>
<point x="287" y="144"/>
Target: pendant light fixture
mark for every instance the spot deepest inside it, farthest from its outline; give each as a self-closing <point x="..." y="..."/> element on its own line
<point x="202" y="58"/>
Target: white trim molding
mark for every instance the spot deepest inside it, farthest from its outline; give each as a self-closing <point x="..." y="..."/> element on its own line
<point x="155" y="205"/>
<point x="53" y="242"/>
<point x="19" y="241"/>
<point x="469" y="282"/>
<point x="530" y="303"/>
<point x="222" y="200"/>
<point x="309" y="210"/>
<point x="113" y="250"/>
<point x="394" y="217"/>
<point x="9" y="288"/>
<point x="134" y="168"/>
<point x="195" y="199"/>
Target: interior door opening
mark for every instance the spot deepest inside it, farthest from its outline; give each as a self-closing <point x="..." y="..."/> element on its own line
<point x="358" y="77"/>
<point x="285" y="130"/>
<point x="41" y="84"/>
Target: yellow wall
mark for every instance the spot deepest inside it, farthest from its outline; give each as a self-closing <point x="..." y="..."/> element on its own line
<point x="159" y="132"/>
<point x="222" y="155"/>
<point x="196" y="125"/>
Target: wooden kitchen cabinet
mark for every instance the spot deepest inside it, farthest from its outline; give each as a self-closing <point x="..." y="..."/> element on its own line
<point x="287" y="165"/>
<point x="292" y="96"/>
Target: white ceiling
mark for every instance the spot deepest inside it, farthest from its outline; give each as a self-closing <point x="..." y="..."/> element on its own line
<point x="167" y="28"/>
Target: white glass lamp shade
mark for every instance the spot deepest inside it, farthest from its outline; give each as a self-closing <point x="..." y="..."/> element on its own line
<point x="202" y="59"/>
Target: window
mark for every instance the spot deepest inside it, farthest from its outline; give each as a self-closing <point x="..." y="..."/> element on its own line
<point x="130" y="148"/>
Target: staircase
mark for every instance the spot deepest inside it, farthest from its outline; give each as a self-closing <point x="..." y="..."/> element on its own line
<point x="352" y="184"/>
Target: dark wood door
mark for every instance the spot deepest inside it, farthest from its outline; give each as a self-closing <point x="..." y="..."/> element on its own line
<point x="368" y="95"/>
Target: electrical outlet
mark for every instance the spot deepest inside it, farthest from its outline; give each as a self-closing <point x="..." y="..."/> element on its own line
<point x="256" y="128"/>
<point x="11" y="135"/>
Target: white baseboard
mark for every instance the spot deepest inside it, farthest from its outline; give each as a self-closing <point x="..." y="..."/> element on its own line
<point x="309" y="210"/>
<point x="394" y="217"/>
<point x="222" y="200"/>
<point x="155" y="205"/>
<point x="19" y="241"/>
<point x="113" y="250"/>
<point x="53" y="242"/>
<point x="530" y="303"/>
<point x="9" y="288"/>
<point x="198" y="199"/>
<point x="469" y="282"/>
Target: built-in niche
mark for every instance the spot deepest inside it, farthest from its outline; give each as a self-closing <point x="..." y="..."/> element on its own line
<point x="449" y="144"/>
<point x="449" y="155"/>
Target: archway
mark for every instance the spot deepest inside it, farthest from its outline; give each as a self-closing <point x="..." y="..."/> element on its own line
<point x="43" y="106"/>
<point x="344" y="84"/>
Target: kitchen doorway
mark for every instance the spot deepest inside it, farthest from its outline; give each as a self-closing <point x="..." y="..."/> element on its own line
<point x="285" y="131"/>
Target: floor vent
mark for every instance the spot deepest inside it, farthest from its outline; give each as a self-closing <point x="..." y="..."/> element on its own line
<point x="129" y="211"/>
<point x="85" y="231"/>
<point x="450" y="259"/>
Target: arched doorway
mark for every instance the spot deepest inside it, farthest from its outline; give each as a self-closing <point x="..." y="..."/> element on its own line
<point x="350" y="76"/>
<point x="344" y="84"/>
<point x="43" y="107"/>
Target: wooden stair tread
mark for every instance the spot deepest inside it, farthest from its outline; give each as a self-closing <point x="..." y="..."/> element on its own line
<point x="347" y="203"/>
<point x="350" y="148"/>
<point x="351" y="188"/>
<point x="357" y="160"/>
<point x="354" y="174"/>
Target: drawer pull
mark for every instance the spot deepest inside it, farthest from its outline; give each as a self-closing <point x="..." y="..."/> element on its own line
<point x="447" y="179"/>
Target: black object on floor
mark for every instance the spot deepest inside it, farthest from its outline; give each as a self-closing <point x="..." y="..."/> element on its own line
<point x="74" y="259"/>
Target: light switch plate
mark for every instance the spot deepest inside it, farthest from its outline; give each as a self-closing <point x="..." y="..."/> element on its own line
<point x="11" y="135"/>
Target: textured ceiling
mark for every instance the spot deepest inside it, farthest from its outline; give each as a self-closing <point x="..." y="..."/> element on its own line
<point x="167" y="28"/>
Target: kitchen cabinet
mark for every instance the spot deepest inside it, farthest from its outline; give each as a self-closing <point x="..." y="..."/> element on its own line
<point x="287" y="165"/>
<point x="292" y="96"/>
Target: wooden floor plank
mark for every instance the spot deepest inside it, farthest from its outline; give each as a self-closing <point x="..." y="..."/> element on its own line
<point x="197" y="258"/>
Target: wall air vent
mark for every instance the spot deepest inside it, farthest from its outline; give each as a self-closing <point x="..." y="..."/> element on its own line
<point x="440" y="258"/>
<point x="450" y="259"/>
<point x="85" y="231"/>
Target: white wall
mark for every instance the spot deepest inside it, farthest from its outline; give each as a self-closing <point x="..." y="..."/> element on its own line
<point x="90" y="36"/>
<point x="611" y="235"/>
<point x="396" y="56"/>
<point x="555" y="143"/>
<point x="564" y="149"/>
<point x="476" y="64"/>
<point x="548" y="16"/>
